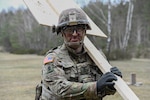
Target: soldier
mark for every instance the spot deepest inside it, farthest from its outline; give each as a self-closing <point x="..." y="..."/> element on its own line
<point x="68" y="73"/>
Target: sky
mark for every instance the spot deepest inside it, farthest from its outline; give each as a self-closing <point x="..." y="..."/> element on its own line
<point x="5" y="4"/>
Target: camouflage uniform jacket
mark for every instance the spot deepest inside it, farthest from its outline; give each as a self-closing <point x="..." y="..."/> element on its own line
<point x="69" y="76"/>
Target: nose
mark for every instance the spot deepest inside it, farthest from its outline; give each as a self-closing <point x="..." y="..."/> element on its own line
<point x="75" y="33"/>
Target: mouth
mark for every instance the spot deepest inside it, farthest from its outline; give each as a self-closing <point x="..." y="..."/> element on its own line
<point x="74" y="40"/>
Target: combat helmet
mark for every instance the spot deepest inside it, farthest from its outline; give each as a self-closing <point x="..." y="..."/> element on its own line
<point x="72" y="16"/>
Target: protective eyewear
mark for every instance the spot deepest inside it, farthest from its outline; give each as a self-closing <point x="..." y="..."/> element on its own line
<point x="71" y="29"/>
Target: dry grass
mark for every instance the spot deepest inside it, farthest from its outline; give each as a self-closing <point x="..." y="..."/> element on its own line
<point x="19" y="74"/>
<point x="141" y="67"/>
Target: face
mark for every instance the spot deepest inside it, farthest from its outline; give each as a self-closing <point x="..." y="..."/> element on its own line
<point x="74" y="35"/>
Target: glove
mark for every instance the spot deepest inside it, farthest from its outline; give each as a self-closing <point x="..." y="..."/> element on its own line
<point x="105" y="85"/>
<point x="116" y="71"/>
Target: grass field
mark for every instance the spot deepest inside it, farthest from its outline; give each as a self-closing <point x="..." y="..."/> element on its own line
<point x="19" y="75"/>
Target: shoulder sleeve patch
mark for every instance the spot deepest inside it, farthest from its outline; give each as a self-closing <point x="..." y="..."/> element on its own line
<point x="48" y="60"/>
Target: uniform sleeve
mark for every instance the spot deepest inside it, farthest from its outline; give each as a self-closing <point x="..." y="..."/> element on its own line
<point x="54" y="79"/>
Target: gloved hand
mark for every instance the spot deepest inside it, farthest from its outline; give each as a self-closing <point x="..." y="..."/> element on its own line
<point x="105" y="85"/>
<point x="116" y="71"/>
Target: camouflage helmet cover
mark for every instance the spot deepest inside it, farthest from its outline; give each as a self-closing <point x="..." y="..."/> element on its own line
<point x="72" y="16"/>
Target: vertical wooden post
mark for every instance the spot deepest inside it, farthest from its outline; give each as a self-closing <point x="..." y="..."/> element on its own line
<point x="133" y="78"/>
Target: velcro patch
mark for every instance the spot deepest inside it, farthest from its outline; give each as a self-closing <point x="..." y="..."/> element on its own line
<point x="48" y="60"/>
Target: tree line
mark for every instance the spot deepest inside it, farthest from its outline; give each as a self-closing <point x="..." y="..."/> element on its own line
<point x="20" y="33"/>
<point x="128" y="39"/>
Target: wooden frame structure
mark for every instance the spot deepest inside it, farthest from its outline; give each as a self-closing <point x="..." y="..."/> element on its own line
<point x="46" y="12"/>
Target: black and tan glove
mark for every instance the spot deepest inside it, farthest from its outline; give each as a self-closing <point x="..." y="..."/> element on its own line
<point x="116" y="71"/>
<point x="105" y="85"/>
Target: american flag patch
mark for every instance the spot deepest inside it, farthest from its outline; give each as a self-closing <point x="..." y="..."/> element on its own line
<point x="48" y="60"/>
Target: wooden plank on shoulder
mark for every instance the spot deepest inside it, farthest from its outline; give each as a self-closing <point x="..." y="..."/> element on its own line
<point x="42" y="12"/>
<point x="102" y="63"/>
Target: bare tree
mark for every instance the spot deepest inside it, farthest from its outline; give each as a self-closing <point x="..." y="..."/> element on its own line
<point x="109" y="29"/>
<point x="128" y="25"/>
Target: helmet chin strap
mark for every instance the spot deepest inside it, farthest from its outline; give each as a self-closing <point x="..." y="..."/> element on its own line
<point x="71" y="44"/>
<point x="74" y="47"/>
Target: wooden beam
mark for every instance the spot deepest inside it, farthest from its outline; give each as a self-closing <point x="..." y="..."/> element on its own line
<point x="102" y="63"/>
<point x="42" y="12"/>
<point x="56" y="7"/>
